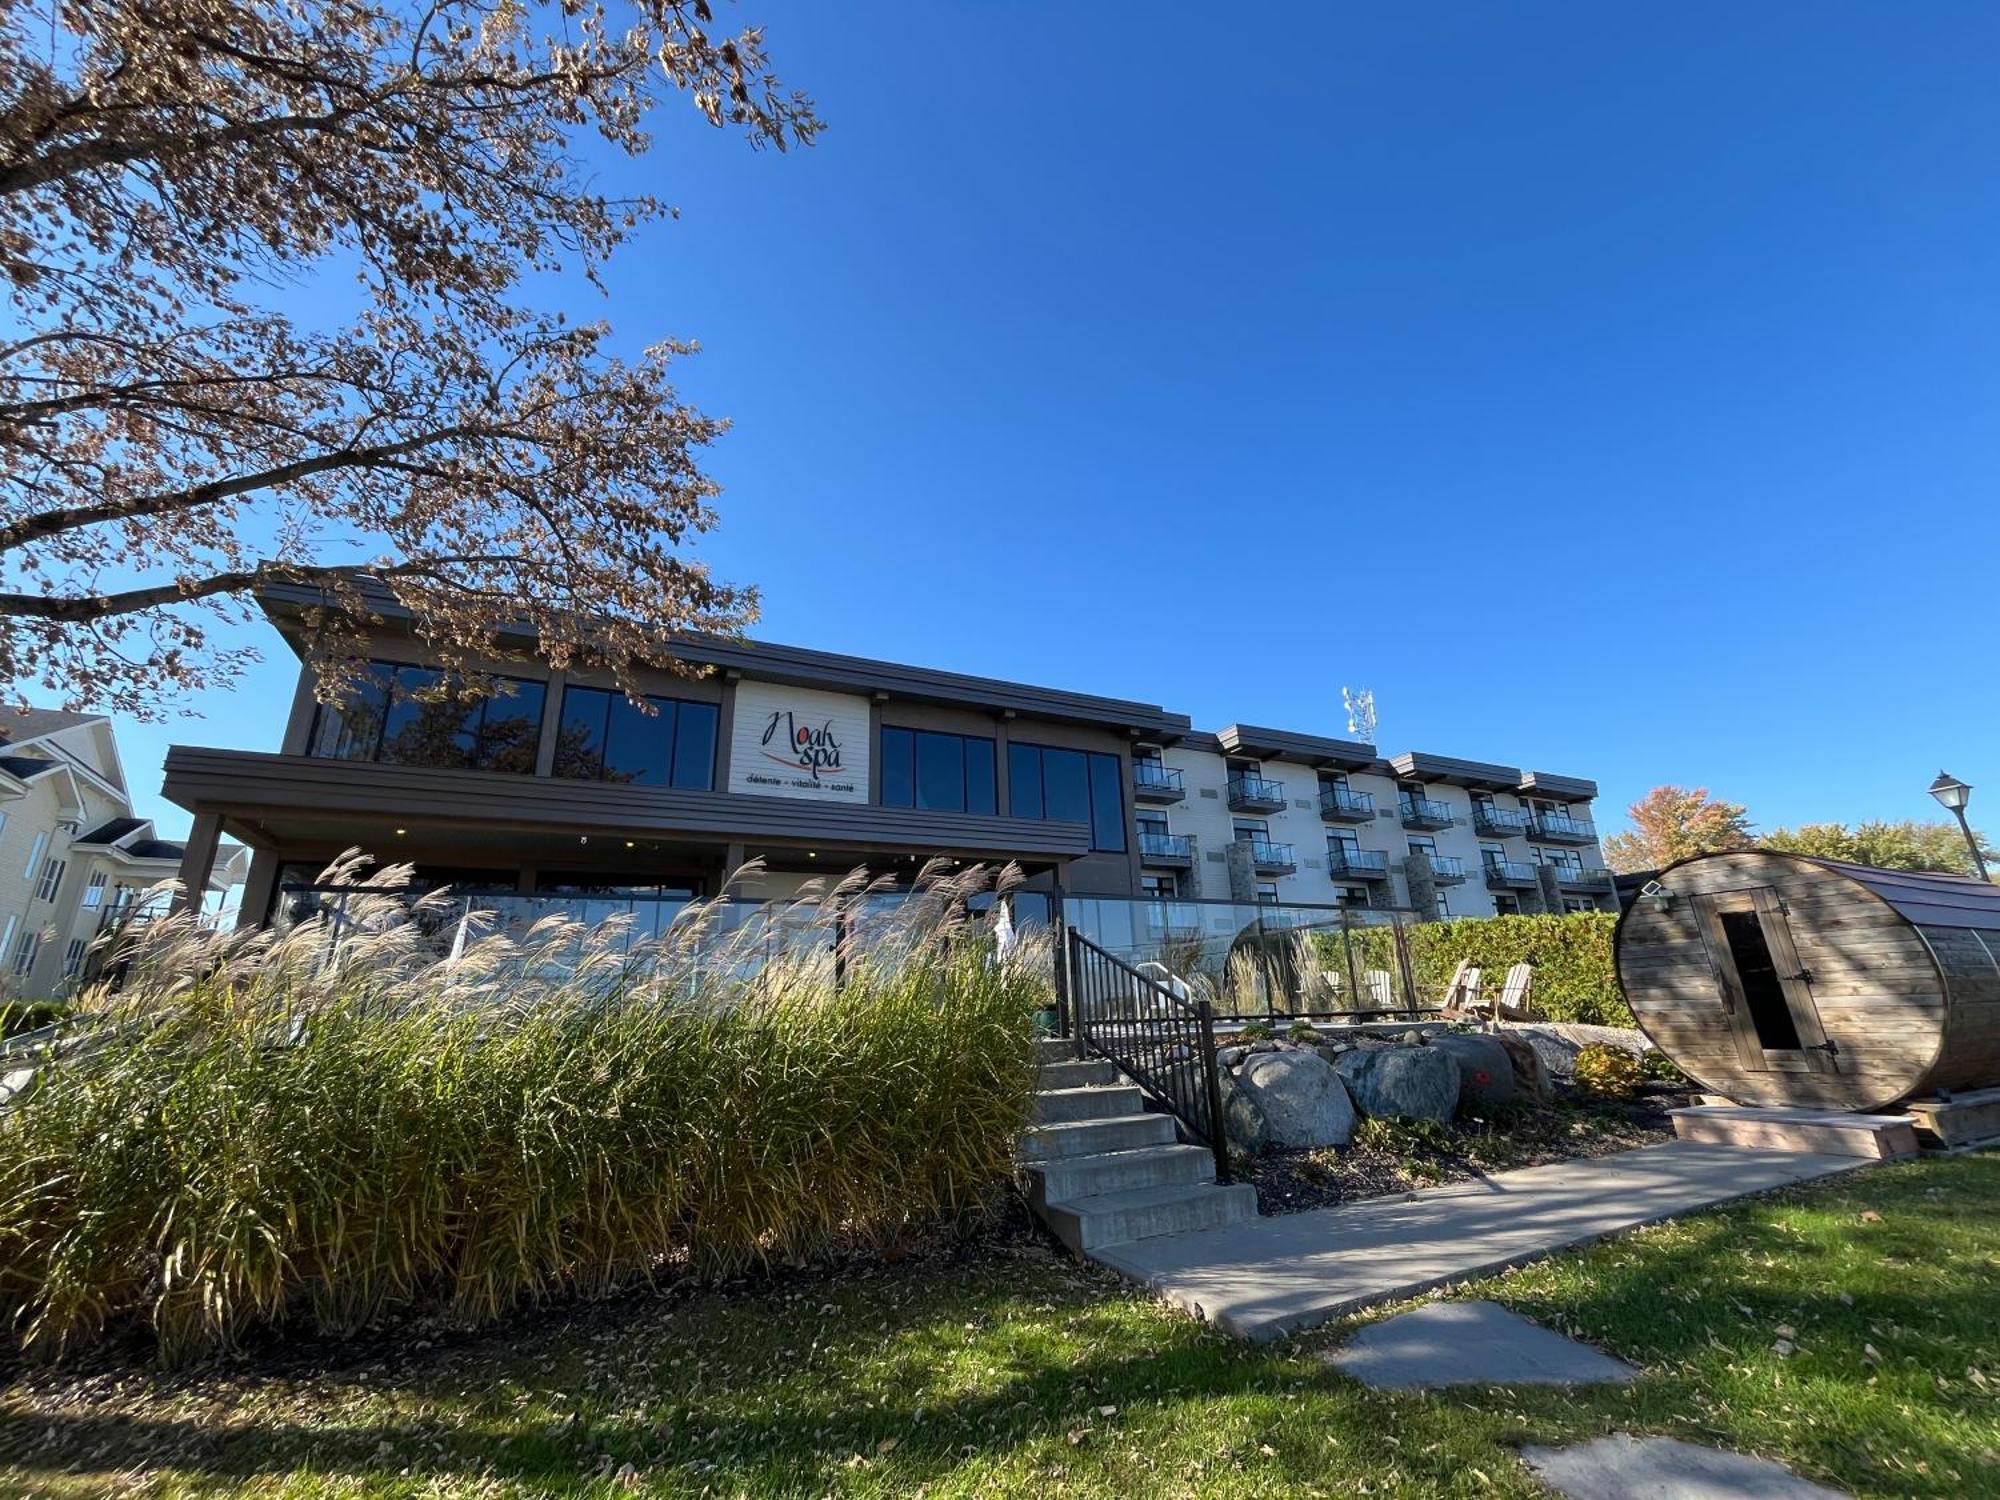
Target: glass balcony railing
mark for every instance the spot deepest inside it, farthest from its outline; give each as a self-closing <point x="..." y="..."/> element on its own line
<point x="1341" y="805"/>
<point x="1592" y="879"/>
<point x="1255" y="793"/>
<point x="1357" y="864"/>
<point x="1504" y="874"/>
<point x="1154" y="782"/>
<point x="1498" y="822"/>
<point x="1266" y="855"/>
<point x="1421" y="812"/>
<point x="1563" y="829"/>
<point x="1178" y="847"/>
<point x="1446" y="869"/>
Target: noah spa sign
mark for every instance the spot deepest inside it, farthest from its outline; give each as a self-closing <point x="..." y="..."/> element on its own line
<point x="799" y="742"/>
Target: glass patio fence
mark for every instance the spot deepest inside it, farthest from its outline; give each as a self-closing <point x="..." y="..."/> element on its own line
<point x="1263" y="960"/>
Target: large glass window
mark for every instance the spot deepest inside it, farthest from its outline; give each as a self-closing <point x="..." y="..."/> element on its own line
<point x="418" y="716"/>
<point x="607" y="737"/>
<point x="937" y="772"/>
<point x="1069" y="786"/>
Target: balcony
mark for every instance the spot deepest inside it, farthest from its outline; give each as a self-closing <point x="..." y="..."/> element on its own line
<point x="1446" y="869"/>
<point x="1510" y="875"/>
<point x="1166" y="850"/>
<point x="1157" y="784"/>
<point x="1343" y="863"/>
<point x="1253" y="794"/>
<point x="1338" y="805"/>
<point x="1421" y="812"/>
<point x="1498" y="822"/>
<point x="1270" y="858"/>
<point x="1573" y="879"/>
<point x="1559" y="828"/>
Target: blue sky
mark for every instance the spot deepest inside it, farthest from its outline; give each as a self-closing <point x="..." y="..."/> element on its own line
<point x="1612" y="391"/>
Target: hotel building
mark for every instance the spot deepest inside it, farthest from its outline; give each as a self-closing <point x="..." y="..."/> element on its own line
<point x="812" y="762"/>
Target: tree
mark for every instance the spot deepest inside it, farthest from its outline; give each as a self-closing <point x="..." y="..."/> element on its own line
<point x="1908" y="845"/>
<point x="172" y="172"/>
<point x="1671" y="823"/>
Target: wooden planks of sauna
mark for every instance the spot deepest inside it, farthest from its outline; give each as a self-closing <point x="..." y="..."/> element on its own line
<point x="1810" y="1131"/>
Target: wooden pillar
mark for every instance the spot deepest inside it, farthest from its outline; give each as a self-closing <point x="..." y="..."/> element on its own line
<point x="198" y="862"/>
<point x="254" y="910"/>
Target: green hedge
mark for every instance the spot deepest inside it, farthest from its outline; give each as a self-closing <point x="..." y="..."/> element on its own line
<point x="1575" y="978"/>
<point x="17" y="1016"/>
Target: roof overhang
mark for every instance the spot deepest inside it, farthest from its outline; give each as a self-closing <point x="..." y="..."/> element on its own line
<point x="798" y="666"/>
<point x="1305" y="749"/>
<point x="255" y="794"/>
<point x="1475" y="775"/>
<point x="1561" y="788"/>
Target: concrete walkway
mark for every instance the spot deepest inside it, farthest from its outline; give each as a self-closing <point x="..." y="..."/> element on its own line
<point x="1272" y="1276"/>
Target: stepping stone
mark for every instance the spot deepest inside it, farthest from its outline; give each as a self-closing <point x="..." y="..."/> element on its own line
<point x="1470" y="1343"/>
<point x="1658" y="1468"/>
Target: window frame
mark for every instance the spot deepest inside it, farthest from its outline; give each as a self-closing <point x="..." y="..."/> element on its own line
<point x="51" y="881"/>
<point x="394" y="670"/>
<point x="914" y="779"/>
<point x="668" y="720"/>
<point x="1104" y="772"/>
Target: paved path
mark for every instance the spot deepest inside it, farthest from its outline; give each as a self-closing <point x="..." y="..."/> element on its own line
<point x="1270" y="1277"/>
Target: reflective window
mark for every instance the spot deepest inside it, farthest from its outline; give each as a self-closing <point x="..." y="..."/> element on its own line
<point x="1069" y="786"/>
<point x="418" y="716"/>
<point x="937" y="772"/>
<point x="606" y="737"/>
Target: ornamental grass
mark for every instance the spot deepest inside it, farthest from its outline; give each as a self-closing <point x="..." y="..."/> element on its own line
<point x="409" y="1111"/>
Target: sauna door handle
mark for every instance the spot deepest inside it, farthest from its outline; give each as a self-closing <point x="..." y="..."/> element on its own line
<point x="1805" y="974"/>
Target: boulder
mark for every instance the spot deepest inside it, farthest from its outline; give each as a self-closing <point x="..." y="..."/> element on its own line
<point x="1558" y="1042"/>
<point x="1485" y="1071"/>
<point x="1531" y="1078"/>
<point x="1290" y="1100"/>
<point x="1408" y="1082"/>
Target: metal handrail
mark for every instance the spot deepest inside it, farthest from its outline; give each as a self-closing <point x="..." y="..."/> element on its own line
<point x="1426" y="810"/>
<point x="1165" y="1042"/>
<point x="1508" y="871"/>
<point x="1171" y="845"/>
<point x="1448" y="865"/>
<point x="1340" y="799"/>
<point x="1151" y="773"/>
<point x="1264" y="852"/>
<point x="1589" y="875"/>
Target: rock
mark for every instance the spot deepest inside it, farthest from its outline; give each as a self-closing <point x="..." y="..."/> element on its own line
<point x="1418" y="1083"/>
<point x="1258" y="1049"/>
<point x="1291" y="1100"/>
<point x="1558" y="1042"/>
<point x="1412" y="1039"/>
<point x="1229" y="1057"/>
<point x="1485" y="1071"/>
<point x="1331" y="1051"/>
<point x="1531" y="1079"/>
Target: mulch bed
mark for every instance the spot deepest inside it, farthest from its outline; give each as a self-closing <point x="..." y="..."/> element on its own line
<point x="1570" y="1126"/>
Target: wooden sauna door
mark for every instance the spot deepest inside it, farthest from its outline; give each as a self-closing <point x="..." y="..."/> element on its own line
<point x="1766" y="991"/>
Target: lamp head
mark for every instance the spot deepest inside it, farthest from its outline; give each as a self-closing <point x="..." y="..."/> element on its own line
<point x="1951" y="792"/>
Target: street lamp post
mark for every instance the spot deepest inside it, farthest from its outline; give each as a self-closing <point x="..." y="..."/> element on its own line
<point x="1954" y="794"/>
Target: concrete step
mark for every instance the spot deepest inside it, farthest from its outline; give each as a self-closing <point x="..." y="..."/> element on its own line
<point x="1810" y="1131"/>
<point x="1094" y="1137"/>
<point x="1054" y="1049"/>
<point x="1069" y="1177"/>
<point x="1087" y="1224"/>
<point x="1056" y="1106"/>
<point x="1077" y="1075"/>
<point x="1967" y="1119"/>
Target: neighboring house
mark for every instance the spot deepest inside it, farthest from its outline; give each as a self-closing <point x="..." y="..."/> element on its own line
<point x="815" y="762"/>
<point x="73" y="858"/>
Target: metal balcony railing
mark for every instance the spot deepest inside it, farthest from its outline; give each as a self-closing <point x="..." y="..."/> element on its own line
<point x="1498" y="822"/>
<point x="1339" y="805"/>
<point x="1446" y="869"/>
<point x="1558" y="828"/>
<point x="1592" y="879"/>
<point x="1166" y="848"/>
<point x="1266" y="855"/>
<point x="1255" y="794"/>
<point x="1421" y="812"/>
<point x="1506" y="874"/>
<point x="1357" y="864"/>
<point x="1153" y="782"/>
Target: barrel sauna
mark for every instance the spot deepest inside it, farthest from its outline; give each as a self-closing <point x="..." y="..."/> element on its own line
<point x="1778" y="979"/>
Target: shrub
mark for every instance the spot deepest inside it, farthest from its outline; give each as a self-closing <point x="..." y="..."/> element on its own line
<point x="1254" y="1031"/>
<point x="271" y="1127"/>
<point x="1659" y="1068"/>
<point x="1302" y="1031"/>
<point x="17" y="1016"/>
<point x="1608" y="1072"/>
<point x="1575" y="977"/>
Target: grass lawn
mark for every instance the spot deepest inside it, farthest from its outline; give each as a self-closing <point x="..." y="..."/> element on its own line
<point x="1013" y="1372"/>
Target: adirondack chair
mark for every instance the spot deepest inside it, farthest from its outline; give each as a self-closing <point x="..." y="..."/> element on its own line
<point x="1513" y="999"/>
<point x="1381" y="990"/>
<point x="1461" y="996"/>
